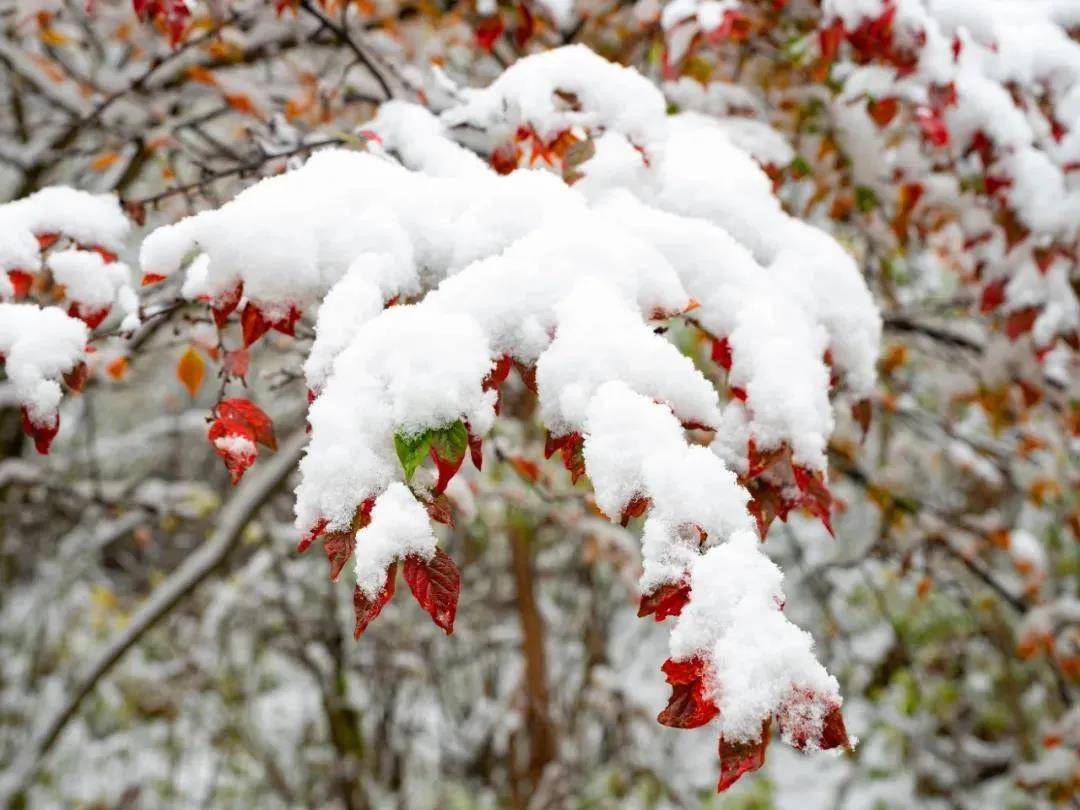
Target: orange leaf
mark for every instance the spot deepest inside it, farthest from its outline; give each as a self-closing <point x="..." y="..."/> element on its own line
<point x="191" y="370"/>
<point x="104" y="161"/>
<point x="117" y="368"/>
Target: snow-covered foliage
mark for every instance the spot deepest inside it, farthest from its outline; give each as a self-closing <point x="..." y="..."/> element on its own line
<point x="658" y="281"/>
<point x="38" y="346"/>
<point x="569" y="280"/>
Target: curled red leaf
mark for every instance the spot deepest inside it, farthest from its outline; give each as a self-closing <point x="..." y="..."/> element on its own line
<point x="635" y="508"/>
<point x="689" y="706"/>
<point x="738" y="758"/>
<point x="667" y="600"/>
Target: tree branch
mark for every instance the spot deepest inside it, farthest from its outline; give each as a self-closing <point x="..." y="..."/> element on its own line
<point x="249" y="496"/>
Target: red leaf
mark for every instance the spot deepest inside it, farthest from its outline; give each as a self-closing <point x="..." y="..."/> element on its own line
<point x="758" y="461"/>
<point x="1020" y="321"/>
<point x="994" y="183"/>
<point x="234" y="441"/>
<point x="225" y="304"/>
<point x="882" y="111"/>
<point x="314" y="533"/>
<point x="247" y="412"/>
<point x="733" y="25"/>
<point x="983" y="147"/>
<point x="634" y="509"/>
<point x="829" y="40"/>
<point x="524" y="32"/>
<point x="688" y="706"/>
<point x="529" y="470"/>
<point x="46" y="240"/>
<point x="499" y="372"/>
<point x="435" y="584"/>
<point x="834" y="734"/>
<point x="41" y="434"/>
<point x="446" y="467"/>
<point x="1044" y="257"/>
<point x="932" y="126"/>
<point x="1015" y="230"/>
<point x="667" y="600"/>
<point x="91" y="316"/>
<point x="339" y="548"/>
<point x="287" y="323"/>
<point x="440" y="510"/>
<point x="253" y="324"/>
<point x="571" y="446"/>
<point x="488" y="32"/>
<point x="367" y="609"/>
<point x="22" y="281"/>
<point x="993" y="295"/>
<point x="237" y="363"/>
<point x="738" y="758"/>
<point x="476" y="450"/>
<point x="862" y="411"/>
<point x="77" y="377"/>
<point x="816" y="495"/>
<point x="721" y="353"/>
<point x="151" y="278"/>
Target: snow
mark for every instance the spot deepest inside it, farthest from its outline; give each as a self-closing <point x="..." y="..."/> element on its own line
<point x="602" y="338"/>
<point x="608" y="93"/>
<point x="634" y="446"/>
<point x="399" y="527"/>
<point x="38" y="345"/>
<point x="759" y="658"/>
<point x="89" y="219"/>
<point x="1027" y="552"/>
<point x="90" y="280"/>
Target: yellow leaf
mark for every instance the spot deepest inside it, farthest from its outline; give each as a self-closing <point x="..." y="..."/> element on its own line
<point x="50" y="36"/>
<point x="190" y="370"/>
<point x="104" y="161"/>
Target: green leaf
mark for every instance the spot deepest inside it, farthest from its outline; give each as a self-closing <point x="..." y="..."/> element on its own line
<point x="865" y="199"/>
<point x="800" y="168"/>
<point x="450" y="442"/>
<point x="412" y="449"/>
